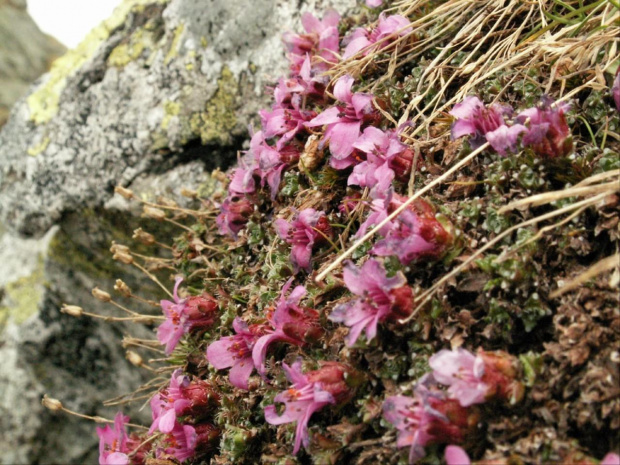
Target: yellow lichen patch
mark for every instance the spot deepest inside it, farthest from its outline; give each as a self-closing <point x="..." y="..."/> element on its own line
<point x="171" y="110"/>
<point x="127" y="52"/>
<point x="23" y="297"/>
<point x="219" y="119"/>
<point x="174" y="47"/>
<point x="39" y="148"/>
<point x="43" y="102"/>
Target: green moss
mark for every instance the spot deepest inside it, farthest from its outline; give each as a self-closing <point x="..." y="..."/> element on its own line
<point x="43" y="102"/>
<point x="39" y="148"/>
<point x="24" y="296"/>
<point x="219" y="119"/>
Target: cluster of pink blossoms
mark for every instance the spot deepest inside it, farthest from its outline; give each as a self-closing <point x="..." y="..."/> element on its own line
<point x="376" y="158"/>
<point x="542" y="128"/>
<point x="436" y="416"/>
<point x="182" y="398"/>
<point x="184" y="315"/>
<point x="348" y="130"/>
<point x="289" y="322"/>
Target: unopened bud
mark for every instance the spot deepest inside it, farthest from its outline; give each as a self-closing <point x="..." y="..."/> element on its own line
<point x="72" y="310"/>
<point x="124" y="192"/>
<point x="154" y="213"/>
<point x="123" y="258"/>
<point x="134" y="358"/>
<point x="101" y="295"/>
<point x="119" y="248"/>
<point x="122" y="288"/>
<point x="143" y="237"/>
<point x="189" y="193"/>
<point x="52" y="404"/>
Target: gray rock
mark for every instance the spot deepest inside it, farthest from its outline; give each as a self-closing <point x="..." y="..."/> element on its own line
<point x="153" y="99"/>
<point x="25" y="53"/>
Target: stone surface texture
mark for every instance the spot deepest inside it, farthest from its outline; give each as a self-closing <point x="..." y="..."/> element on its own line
<point x="25" y="53"/>
<point x="154" y="99"/>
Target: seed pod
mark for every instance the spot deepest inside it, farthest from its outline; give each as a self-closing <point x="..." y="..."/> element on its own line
<point x="72" y="310"/>
<point x="122" y="288"/>
<point x="123" y="258"/>
<point x="154" y="213"/>
<point x="134" y="358"/>
<point x="52" y="404"/>
<point x="189" y="193"/>
<point x="124" y="192"/>
<point x="103" y="296"/>
<point x="143" y="237"/>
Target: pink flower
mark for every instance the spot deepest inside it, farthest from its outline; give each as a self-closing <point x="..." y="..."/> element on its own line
<point x="235" y="213"/>
<point x="320" y="40"/>
<point x="476" y="379"/>
<point x="284" y="122"/>
<point x="344" y="122"/>
<point x="184" y="314"/>
<point x="379" y="298"/>
<point x="483" y="123"/>
<point x="176" y="324"/>
<point x="235" y="352"/>
<point x="179" y="443"/>
<point x="547" y="131"/>
<point x="615" y="90"/>
<point x="382" y="149"/>
<point x="456" y="455"/>
<point x="166" y="405"/>
<point x="387" y="31"/>
<point x="463" y="372"/>
<point x="374" y="3"/>
<point x="307" y="85"/>
<point x="309" y="227"/>
<point x="308" y="394"/>
<point x="413" y="234"/>
<point x="427" y="418"/>
<point x="113" y="442"/>
<point x="291" y="323"/>
<point x="611" y="459"/>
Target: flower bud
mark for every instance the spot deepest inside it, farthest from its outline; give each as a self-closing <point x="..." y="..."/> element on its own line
<point x="52" y="404"/>
<point x="402" y="164"/>
<point x="124" y="192"/>
<point x="207" y="436"/>
<point x="122" y="288"/>
<point x="336" y="378"/>
<point x="72" y="310"/>
<point x="201" y="310"/>
<point x="154" y="213"/>
<point x="323" y="226"/>
<point x="402" y="304"/>
<point x="103" y="296"/>
<point x="305" y="326"/>
<point x="501" y="373"/>
<point x="202" y="395"/>
<point x="143" y="237"/>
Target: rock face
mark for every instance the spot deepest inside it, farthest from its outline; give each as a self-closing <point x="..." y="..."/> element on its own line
<point x="154" y="98"/>
<point x="25" y="53"/>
